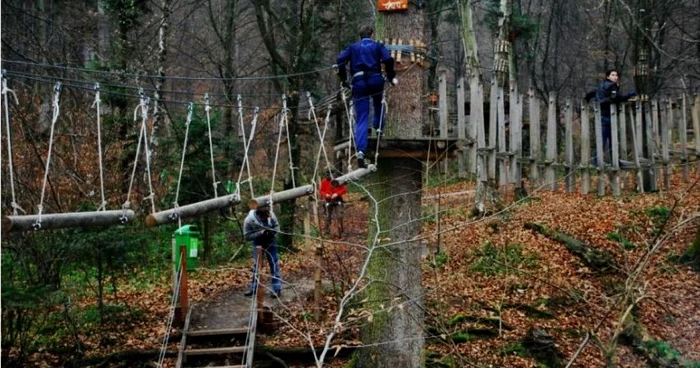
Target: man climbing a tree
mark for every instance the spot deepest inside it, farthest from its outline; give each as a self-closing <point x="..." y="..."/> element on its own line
<point x="261" y="228"/>
<point x="365" y="58"/>
<point x="332" y="193"/>
<point x="609" y="93"/>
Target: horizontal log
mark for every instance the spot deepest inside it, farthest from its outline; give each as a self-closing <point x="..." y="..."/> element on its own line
<point x="67" y="220"/>
<point x="355" y="175"/>
<point x="285" y="195"/>
<point x="192" y="210"/>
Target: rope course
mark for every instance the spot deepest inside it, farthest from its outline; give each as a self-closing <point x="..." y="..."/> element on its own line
<point x="96" y="104"/>
<point x="56" y="110"/>
<point x="246" y="145"/>
<point x="143" y="138"/>
<point x="6" y="106"/>
<point x="214" y="183"/>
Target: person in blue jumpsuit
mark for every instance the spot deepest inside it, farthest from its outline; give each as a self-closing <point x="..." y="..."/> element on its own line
<point x="365" y="58"/>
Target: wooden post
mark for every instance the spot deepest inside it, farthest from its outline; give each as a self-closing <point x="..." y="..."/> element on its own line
<point x="483" y="164"/>
<point x="476" y="119"/>
<point x="651" y="149"/>
<point x="318" y="273"/>
<point x="534" y="137"/>
<point x="622" y="123"/>
<point x="462" y="130"/>
<point x="696" y="125"/>
<point x="512" y="122"/>
<point x="569" y="149"/>
<point x="614" y="141"/>
<point x="585" y="149"/>
<point x="443" y="104"/>
<point x="551" y="157"/>
<point x="636" y="149"/>
<point x="502" y="149"/>
<point x="665" y="142"/>
<point x="683" y="137"/>
<point x="655" y="141"/>
<point x="259" y="293"/>
<point x="182" y="287"/>
<point x="517" y="146"/>
<point x="600" y="158"/>
<point x="493" y="132"/>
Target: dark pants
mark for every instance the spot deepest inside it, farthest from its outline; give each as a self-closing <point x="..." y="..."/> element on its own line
<point x="365" y="88"/>
<point x="270" y="252"/>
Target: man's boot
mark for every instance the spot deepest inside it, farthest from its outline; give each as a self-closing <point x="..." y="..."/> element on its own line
<point x="361" y="160"/>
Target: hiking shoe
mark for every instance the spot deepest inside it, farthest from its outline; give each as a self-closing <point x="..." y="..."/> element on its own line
<point x="361" y="160"/>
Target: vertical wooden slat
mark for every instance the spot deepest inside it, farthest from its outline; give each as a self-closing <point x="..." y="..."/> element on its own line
<point x="639" y="147"/>
<point x="666" y="141"/>
<point x="461" y="129"/>
<point x="651" y="144"/>
<point x="478" y="94"/>
<point x="534" y="137"/>
<point x="493" y="131"/>
<point x="636" y="144"/>
<point x="585" y="149"/>
<point x="398" y="52"/>
<point x="569" y="145"/>
<point x="696" y="124"/>
<point x="622" y="120"/>
<point x="442" y="104"/>
<point x="656" y="137"/>
<point x="615" y="171"/>
<point x="502" y="148"/>
<point x="512" y="117"/>
<point x="551" y="157"/>
<point x="517" y="147"/>
<point x="600" y="156"/>
<point x="476" y="118"/>
<point x="683" y="137"/>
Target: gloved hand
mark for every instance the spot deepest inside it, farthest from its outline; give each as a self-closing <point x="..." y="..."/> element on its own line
<point x="394" y="81"/>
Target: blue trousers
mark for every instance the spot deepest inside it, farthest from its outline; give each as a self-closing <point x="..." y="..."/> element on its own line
<point x="365" y="89"/>
<point x="270" y="253"/>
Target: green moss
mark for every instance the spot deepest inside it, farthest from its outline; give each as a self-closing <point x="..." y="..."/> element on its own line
<point x="491" y="260"/>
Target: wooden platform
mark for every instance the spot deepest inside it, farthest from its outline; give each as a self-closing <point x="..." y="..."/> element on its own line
<point x="433" y="148"/>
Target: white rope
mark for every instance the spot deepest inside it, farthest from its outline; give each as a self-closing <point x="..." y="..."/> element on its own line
<point x="351" y="125"/>
<point x="171" y="317"/>
<point x="188" y="122"/>
<point x="321" y="136"/>
<point x="98" y="101"/>
<point x="143" y="106"/>
<point x="289" y="139"/>
<point x="56" y="111"/>
<point x="214" y="183"/>
<point x="277" y="151"/>
<point x="246" y="144"/>
<point x="5" y="91"/>
<point x="384" y="110"/>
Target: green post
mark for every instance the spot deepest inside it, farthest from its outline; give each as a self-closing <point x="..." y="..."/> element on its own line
<point x="189" y="237"/>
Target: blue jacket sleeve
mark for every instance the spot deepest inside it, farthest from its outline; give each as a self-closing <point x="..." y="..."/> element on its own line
<point x="388" y="62"/>
<point x="343" y="59"/>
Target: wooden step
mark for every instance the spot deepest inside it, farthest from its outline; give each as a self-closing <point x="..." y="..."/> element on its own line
<point x="218" y="332"/>
<point x="215" y="351"/>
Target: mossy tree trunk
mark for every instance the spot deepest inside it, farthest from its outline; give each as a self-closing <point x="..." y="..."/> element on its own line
<point x="393" y="336"/>
<point x="394" y="333"/>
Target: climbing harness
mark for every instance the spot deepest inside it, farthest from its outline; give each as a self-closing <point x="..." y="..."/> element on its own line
<point x="56" y="111"/>
<point x="5" y="91"/>
<point x="96" y="104"/>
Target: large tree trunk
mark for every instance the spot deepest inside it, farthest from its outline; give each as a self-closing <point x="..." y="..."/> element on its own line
<point x="163" y="32"/>
<point x="394" y="336"/>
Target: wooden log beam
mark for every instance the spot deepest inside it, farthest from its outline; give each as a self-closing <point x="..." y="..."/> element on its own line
<point x="54" y="221"/>
<point x="355" y="175"/>
<point x="192" y="210"/>
<point x="285" y="195"/>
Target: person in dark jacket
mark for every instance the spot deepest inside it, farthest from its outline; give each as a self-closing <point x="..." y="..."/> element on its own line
<point x="365" y="58"/>
<point x="608" y="94"/>
<point x="261" y="228"/>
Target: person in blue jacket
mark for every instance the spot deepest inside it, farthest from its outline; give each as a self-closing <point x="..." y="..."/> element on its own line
<point x="608" y="93"/>
<point x="261" y="227"/>
<point x="365" y="58"/>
